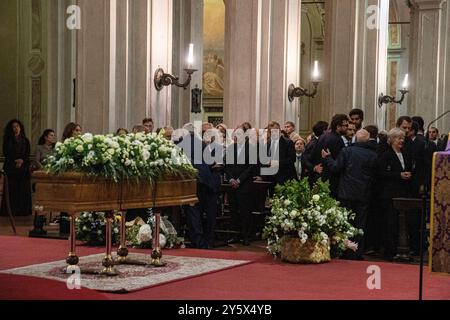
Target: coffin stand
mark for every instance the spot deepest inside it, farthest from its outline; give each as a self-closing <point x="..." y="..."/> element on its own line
<point x="74" y="193"/>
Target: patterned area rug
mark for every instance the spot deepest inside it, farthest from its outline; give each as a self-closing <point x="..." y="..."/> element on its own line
<point x="131" y="277"/>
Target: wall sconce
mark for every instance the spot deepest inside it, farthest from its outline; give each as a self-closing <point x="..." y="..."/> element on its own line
<point x="385" y="99"/>
<point x="162" y="79"/>
<point x="297" y="92"/>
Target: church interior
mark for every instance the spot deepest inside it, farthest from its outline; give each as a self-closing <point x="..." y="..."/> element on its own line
<point x="105" y="105"/>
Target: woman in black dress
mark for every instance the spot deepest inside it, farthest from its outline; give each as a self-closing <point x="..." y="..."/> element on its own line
<point x="395" y="175"/>
<point x="16" y="149"/>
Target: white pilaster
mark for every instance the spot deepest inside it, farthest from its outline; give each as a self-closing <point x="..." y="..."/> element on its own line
<point x="262" y="57"/>
<point x="93" y="66"/>
<point x="160" y="56"/>
<point x="427" y="97"/>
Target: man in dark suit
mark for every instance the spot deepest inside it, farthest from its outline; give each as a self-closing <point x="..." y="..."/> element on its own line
<point x="331" y="141"/>
<point x="239" y="171"/>
<point x="373" y="132"/>
<point x="442" y="144"/>
<point x="372" y="236"/>
<point x="281" y="155"/>
<point x="314" y="171"/>
<point x="300" y="164"/>
<point x="356" y="166"/>
<point x="415" y="147"/>
<point x="208" y="188"/>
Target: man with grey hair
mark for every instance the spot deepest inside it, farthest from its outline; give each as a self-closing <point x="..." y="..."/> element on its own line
<point x="356" y="166"/>
<point x="208" y="188"/>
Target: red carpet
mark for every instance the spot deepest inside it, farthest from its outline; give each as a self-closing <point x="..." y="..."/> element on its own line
<point x="15" y="287"/>
<point x="264" y="279"/>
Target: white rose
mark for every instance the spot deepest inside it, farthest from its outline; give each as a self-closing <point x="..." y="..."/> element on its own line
<point x="79" y="148"/>
<point x="111" y="151"/>
<point x="140" y="136"/>
<point x="87" y="137"/>
<point x="316" y="197"/>
<point x="287" y="202"/>
<point x="146" y="155"/>
<point x="144" y="234"/>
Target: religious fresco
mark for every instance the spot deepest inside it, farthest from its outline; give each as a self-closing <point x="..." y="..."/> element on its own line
<point x="214" y="49"/>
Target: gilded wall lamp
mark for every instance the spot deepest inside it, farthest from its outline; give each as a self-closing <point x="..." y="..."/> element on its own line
<point x="385" y="99"/>
<point x="297" y="92"/>
<point x="162" y="79"/>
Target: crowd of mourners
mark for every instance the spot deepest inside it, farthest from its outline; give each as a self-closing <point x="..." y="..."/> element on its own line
<point x="366" y="169"/>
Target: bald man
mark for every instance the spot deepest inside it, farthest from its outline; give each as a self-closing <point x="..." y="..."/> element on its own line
<point x="356" y="167"/>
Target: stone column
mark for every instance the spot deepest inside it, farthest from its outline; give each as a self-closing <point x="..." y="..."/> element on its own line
<point x="61" y="57"/>
<point x="356" y="41"/>
<point x="444" y="124"/>
<point x="339" y="55"/>
<point x="262" y="57"/>
<point x="427" y="63"/>
<point x="120" y="45"/>
<point x="93" y="66"/>
<point x="371" y="49"/>
<point x="188" y="28"/>
<point x="139" y="73"/>
<point x="160" y="55"/>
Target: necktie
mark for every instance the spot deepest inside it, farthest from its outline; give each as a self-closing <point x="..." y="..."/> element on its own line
<point x="269" y="145"/>
<point x="299" y="165"/>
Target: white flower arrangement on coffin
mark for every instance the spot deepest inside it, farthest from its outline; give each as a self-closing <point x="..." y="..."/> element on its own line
<point x="139" y="155"/>
<point x="309" y="214"/>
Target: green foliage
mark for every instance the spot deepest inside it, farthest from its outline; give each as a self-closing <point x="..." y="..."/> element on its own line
<point x="91" y="229"/>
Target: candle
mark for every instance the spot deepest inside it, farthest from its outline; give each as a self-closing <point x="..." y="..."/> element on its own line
<point x="315" y="75"/>
<point x="405" y="82"/>
<point x="190" y="60"/>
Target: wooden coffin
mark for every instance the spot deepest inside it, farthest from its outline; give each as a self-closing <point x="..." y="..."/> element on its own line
<point x="74" y="192"/>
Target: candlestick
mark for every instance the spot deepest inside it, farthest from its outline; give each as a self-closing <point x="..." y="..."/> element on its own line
<point x="157" y="224"/>
<point x="156" y="252"/>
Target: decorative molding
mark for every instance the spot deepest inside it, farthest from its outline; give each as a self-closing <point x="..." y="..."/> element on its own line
<point x="36" y="64"/>
<point x="422" y="5"/>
